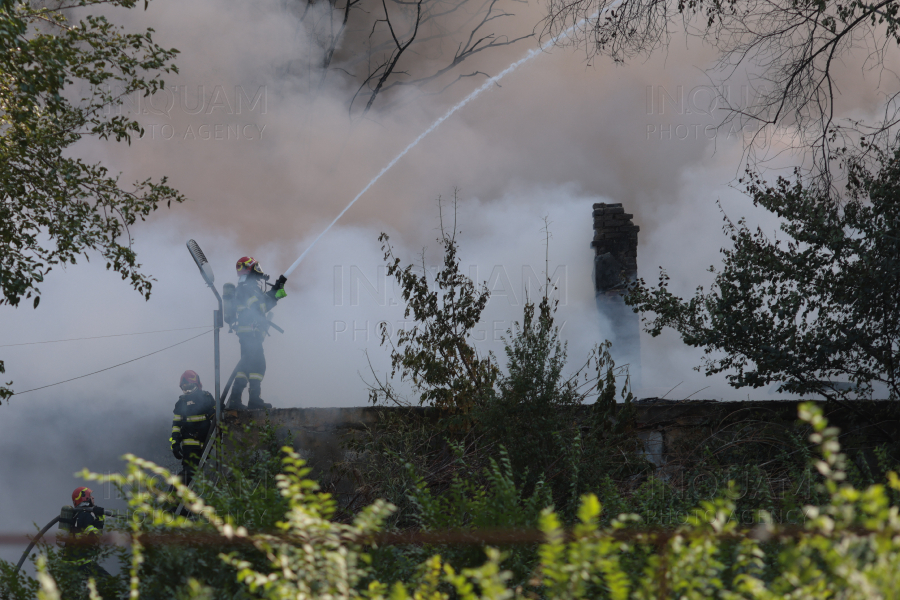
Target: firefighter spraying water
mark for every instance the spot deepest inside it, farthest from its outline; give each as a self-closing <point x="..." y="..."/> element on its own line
<point x="247" y="304"/>
<point x="246" y="307"/>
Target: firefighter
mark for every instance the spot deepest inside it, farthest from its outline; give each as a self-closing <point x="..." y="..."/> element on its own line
<point x="81" y="548"/>
<point x="251" y="304"/>
<point x="195" y="412"/>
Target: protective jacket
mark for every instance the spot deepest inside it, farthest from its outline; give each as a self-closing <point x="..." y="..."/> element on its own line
<point x="251" y="306"/>
<point x="80" y="549"/>
<point x="194" y="414"/>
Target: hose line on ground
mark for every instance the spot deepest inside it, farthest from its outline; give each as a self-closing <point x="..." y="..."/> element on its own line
<point x="35" y="541"/>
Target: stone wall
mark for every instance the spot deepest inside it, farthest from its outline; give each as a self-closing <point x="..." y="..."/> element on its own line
<point x="674" y="434"/>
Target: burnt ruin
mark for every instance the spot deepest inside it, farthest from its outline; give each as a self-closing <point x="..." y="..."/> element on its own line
<point x="615" y="267"/>
<point x="675" y="436"/>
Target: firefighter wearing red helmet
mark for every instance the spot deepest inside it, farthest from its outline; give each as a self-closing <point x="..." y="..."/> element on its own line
<point x="195" y="412"/>
<point x="251" y="306"/>
<point x="81" y="548"/>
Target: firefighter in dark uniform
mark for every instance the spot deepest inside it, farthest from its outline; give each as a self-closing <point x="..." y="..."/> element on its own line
<point x="81" y="548"/>
<point x="251" y="304"/>
<point x="195" y="412"/>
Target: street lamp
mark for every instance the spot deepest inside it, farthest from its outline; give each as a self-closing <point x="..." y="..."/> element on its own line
<point x="207" y="273"/>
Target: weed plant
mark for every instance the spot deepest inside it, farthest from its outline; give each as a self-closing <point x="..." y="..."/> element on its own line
<point x="848" y="547"/>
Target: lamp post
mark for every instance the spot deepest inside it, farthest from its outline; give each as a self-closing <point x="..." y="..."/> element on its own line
<point x="207" y="273"/>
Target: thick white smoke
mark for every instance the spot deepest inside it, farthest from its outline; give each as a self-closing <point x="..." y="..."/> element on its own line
<point x="268" y="159"/>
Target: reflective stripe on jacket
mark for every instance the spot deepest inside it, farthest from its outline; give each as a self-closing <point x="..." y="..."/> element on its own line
<point x="192" y="418"/>
<point x="85" y="527"/>
<point x="251" y="306"/>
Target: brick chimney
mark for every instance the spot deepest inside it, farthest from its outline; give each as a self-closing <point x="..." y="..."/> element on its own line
<point x="615" y="266"/>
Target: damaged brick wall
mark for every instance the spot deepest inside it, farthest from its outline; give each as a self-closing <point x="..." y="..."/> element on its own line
<point x="675" y="434"/>
<point x="615" y="248"/>
<point x="615" y="266"/>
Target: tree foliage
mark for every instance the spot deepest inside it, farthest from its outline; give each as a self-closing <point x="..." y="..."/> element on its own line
<point x="791" y="54"/>
<point x="817" y="306"/>
<point x="60" y="78"/>
<point x="382" y="47"/>
<point x="559" y="430"/>
<point x="437" y="354"/>
<point x="561" y="427"/>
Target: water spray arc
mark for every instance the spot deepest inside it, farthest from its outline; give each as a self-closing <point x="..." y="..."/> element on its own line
<point x="485" y="86"/>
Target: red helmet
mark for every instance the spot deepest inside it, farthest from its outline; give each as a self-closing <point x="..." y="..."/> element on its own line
<point x="190" y="381"/>
<point x="82" y="494"/>
<point x="248" y="264"/>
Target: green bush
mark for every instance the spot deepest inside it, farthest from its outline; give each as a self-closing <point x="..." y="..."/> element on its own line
<point x="848" y="547"/>
<point x="562" y="428"/>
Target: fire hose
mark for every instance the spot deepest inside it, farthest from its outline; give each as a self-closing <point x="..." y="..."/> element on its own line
<point x="66" y="518"/>
<point x="209" y="439"/>
<point x="35" y="541"/>
<point x="57" y="518"/>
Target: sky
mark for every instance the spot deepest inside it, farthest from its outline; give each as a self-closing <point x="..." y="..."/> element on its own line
<point x="268" y="155"/>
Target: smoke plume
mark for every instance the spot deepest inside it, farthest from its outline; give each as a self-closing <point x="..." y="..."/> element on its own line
<point x="269" y="151"/>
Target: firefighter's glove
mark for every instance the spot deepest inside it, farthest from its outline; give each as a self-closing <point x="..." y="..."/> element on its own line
<point x="98" y="511"/>
<point x="279" y="294"/>
<point x="176" y="451"/>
